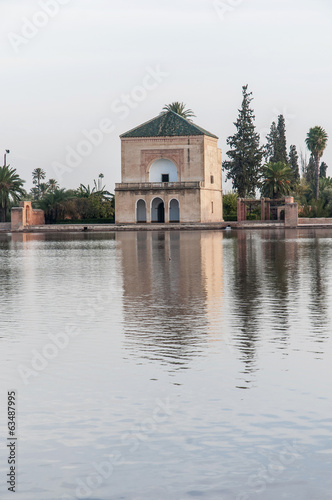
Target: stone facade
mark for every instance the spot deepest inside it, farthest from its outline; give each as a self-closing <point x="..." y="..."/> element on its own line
<point x="169" y="179"/>
<point x="24" y="216"/>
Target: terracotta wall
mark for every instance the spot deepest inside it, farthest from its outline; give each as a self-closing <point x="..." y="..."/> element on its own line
<point x="25" y="216"/>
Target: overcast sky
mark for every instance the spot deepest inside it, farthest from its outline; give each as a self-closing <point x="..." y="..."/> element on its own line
<point x="69" y="67"/>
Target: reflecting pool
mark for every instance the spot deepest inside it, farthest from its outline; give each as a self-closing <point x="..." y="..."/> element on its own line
<point x="168" y="365"/>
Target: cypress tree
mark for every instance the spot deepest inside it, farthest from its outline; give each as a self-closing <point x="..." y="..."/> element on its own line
<point x="309" y="171"/>
<point x="294" y="163"/>
<point x="322" y="169"/>
<point x="276" y="146"/>
<point x="271" y="146"/>
<point x="245" y="154"/>
<point x="282" y="143"/>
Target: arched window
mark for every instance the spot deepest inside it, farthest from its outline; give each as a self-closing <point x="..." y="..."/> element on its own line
<point x="141" y="211"/>
<point x="163" y="171"/>
<point x="174" y="211"/>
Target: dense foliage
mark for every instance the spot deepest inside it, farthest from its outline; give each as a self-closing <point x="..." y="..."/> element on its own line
<point x="280" y="175"/>
<point x="230" y="206"/>
<point x="11" y="190"/>
<point x="277" y="178"/>
<point x="82" y="204"/>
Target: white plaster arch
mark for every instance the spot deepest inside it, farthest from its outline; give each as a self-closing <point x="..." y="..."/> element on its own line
<point x="160" y="167"/>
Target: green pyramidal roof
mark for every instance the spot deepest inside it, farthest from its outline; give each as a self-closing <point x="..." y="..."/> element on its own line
<point x="168" y="124"/>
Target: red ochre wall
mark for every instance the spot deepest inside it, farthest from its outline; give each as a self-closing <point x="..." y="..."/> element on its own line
<point x="24" y="216"/>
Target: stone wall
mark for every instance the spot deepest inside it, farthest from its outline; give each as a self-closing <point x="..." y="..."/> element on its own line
<point x="5" y="226"/>
<point x="318" y="220"/>
<point x="291" y="214"/>
<point x="25" y="216"/>
<point x="211" y="205"/>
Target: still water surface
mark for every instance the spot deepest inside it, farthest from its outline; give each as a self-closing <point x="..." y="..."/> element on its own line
<point x="168" y="365"/>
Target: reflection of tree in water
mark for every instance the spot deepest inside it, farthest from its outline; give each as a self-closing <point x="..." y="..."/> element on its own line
<point x="266" y="274"/>
<point x="281" y="275"/>
<point x="164" y="296"/>
<point x="9" y="277"/>
<point x="247" y="295"/>
<point x="318" y="305"/>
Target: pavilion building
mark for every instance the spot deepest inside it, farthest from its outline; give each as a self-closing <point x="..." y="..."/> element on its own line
<point x="170" y="172"/>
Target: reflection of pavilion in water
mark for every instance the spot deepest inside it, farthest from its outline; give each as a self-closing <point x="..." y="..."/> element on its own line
<point x="169" y="279"/>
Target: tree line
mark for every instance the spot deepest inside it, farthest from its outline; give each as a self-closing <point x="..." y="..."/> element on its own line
<point x="274" y="170"/>
<point x="84" y="204"/>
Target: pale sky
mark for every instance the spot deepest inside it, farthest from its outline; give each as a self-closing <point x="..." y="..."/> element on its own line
<point x="69" y="67"/>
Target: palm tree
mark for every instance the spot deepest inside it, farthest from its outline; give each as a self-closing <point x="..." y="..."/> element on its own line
<point x="54" y="204"/>
<point x="38" y="174"/>
<point x="53" y="185"/>
<point x="316" y="142"/>
<point x="180" y="109"/>
<point x="277" y="180"/>
<point x="44" y="188"/>
<point x="11" y="189"/>
<point x="84" y="191"/>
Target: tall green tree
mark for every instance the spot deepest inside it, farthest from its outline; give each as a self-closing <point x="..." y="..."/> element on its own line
<point x="11" y="189"/>
<point x="245" y="154"/>
<point x="282" y="143"/>
<point x="308" y="168"/>
<point x="38" y="174"/>
<point x="294" y="163"/>
<point x="180" y="109"/>
<point x="322" y="170"/>
<point x="53" y="185"/>
<point x="272" y="144"/>
<point x="43" y="188"/>
<point x="277" y="179"/>
<point x="276" y="146"/>
<point x="316" y="142"/>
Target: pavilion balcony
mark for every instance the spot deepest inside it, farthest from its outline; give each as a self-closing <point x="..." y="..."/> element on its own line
<point x="157" y="186"/>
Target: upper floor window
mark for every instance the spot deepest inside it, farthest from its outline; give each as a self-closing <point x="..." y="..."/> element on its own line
<point x="162" y="167"/>
<point x="211" y="179"/>
<point x="164" y="177"/>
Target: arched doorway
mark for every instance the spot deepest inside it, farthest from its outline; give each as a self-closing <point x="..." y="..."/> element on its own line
<point x="157" y="210"/>
<point x="141" y="211"/>
<point x="174" y="211"/>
